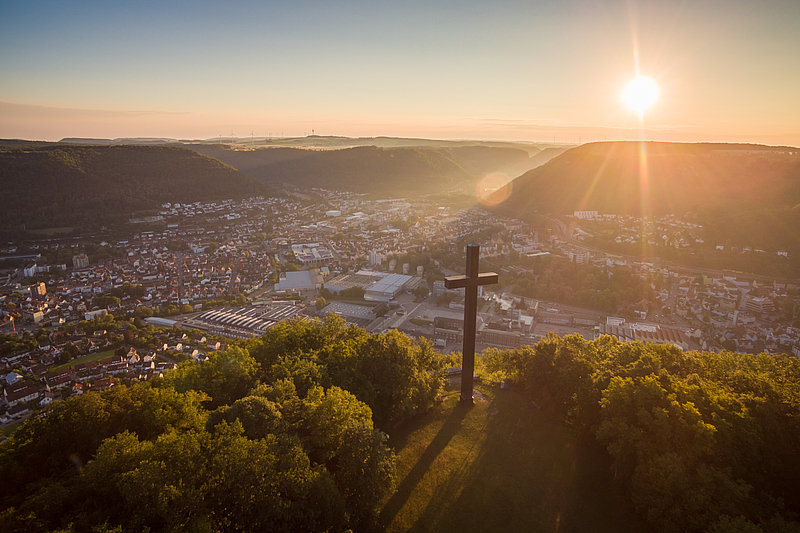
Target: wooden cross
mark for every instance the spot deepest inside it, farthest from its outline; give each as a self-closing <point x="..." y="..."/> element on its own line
<point x="470" y="284"/>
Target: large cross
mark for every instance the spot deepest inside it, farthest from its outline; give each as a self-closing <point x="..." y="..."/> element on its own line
<point x="470" y="284"/>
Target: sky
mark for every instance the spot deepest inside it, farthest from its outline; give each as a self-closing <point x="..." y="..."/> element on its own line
<point x="539" y="70"/>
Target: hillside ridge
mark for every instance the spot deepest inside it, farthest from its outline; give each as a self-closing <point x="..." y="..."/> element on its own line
<point x="72" y="185"/>
<point x="746" y="193"/>
<point x="372" y="169"/>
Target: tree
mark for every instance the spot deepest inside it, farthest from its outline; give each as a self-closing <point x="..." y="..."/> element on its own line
<point x="72" y="431"/>
<point x="329" y="416"/>
<point x="364" y="472"/>
<point x="396" y="377"/>
<point x="336" y="431"/>
<point x="143" y="311"/>
<point x="304" y="370"/>
<point x="258" y="415"/>
<point x="321" y="303"/>
<point x="225" y="377"/>
<point x="71" y="351"/>
<point x="105" y="301"/>
<point x="353" y="293"/>
<point x="212" y="481"/>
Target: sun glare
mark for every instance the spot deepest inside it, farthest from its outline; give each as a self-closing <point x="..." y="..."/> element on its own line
<point x="640" y="93"/>
<point x="493" y="188"/>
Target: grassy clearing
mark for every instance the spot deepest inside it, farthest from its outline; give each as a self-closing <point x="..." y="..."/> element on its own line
<point x="85" y="359"/>
<point x="11" y="428"/>
<point x="500" y="466"/>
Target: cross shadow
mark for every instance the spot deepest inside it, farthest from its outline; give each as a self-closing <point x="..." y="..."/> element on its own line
<point x="524" y="471"/>
<point x="450" y="427"/>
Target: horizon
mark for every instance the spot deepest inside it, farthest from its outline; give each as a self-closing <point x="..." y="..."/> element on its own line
<point x="544" y="72"/>
<point x="242" y="142"/>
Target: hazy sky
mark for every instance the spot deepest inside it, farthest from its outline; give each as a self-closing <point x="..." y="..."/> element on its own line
<point x="728" y="70"/>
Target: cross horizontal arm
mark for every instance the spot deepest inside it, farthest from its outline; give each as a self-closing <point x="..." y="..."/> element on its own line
<point x="455" y="282"/>
<point x="458" y="282"/>
<point x="488" y="278"/>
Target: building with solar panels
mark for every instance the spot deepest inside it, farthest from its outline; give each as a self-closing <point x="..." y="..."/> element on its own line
<point x="243" y="322"/>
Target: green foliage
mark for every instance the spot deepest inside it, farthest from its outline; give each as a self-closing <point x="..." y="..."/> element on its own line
<point x="225" y="377"/>
<point x="750" y="199"/>
<point x="150" y="457"/>
<point x="694" y="436"/>
<point x="258" y="415"/>
<point x="12" y="343"/>
<point x="59" y="444"/>
<point x="397" y="377"/>
<point x="700" y="441"/>
<point x="335" y="430"/>
<point x="105" y="301"/>
<point x="389" y="372"/>
<point x="583" y="285"/>
<point x="350" y="293"/>
<point x="372" y="169"/>
<point x="219" y="481"/>
<point x="128" y="289"/>
<point x="104" y="185"/>
<point x="142" y="311"/>
<point x="227" y="300"/>
<point x="305" y="371"/>
<point x="421" y="291"/>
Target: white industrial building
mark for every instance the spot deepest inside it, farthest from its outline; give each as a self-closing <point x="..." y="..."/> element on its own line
<point x="387" y="288"/>
<point x="379" y="286"/>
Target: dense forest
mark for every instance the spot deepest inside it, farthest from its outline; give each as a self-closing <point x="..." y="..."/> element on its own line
<point x="701" y="441"/>
<point x="65" y="185"/>
<point x="752" y="199"/>
<point x="370" y="169"/>
<point x="582" y="285"/>
<point x="279" y="433"/>
<point x="287" y="432"/>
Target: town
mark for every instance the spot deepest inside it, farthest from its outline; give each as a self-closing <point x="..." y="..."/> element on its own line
<point x="86" y="312"/>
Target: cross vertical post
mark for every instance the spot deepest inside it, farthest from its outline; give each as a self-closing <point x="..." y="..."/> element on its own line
<point x="470" y="283"/>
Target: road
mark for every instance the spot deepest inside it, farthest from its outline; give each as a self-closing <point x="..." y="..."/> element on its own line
<point x="234" y="273"/>
<point x="180" y="268"/>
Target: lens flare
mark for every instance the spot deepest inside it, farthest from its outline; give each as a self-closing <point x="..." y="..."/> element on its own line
<point x="493" y="188"/>
<point x="641" y="93"/>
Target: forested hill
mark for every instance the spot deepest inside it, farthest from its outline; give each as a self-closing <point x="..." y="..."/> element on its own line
<point x="742" y="192"/>
<point x="285" y="433"/>
<point x="370" y="169"/>
<point x="58" y="185"/>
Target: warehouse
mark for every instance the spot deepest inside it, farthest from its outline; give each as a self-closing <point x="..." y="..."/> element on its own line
<point x="243" y="322"/>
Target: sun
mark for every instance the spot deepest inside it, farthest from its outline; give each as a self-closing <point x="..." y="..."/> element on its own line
<point x="641" y="93"/>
